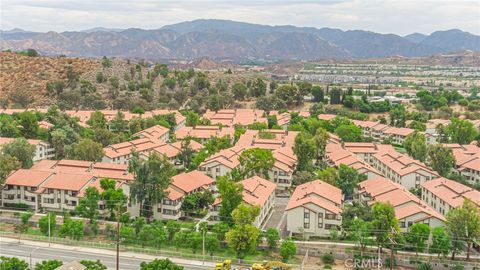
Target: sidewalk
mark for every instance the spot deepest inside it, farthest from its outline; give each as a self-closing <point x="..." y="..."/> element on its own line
<point x="131" y="255"/>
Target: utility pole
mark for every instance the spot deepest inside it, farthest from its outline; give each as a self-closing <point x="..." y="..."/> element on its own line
<point x="393" y="243"/>
<point x="118" y="237"/>
<point x="49" y="235"/>
<point x="203" y="246"/>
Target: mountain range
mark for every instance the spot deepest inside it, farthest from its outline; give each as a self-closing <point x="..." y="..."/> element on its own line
<point x="230" y="40"/>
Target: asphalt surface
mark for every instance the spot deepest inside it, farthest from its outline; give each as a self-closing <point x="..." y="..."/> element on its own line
<point x="41" y="253"/>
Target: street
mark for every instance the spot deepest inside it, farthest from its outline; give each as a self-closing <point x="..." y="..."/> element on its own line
<point x="41" y="252"/>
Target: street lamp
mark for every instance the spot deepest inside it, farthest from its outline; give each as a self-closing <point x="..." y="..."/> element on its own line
<point x="31" y="252"/>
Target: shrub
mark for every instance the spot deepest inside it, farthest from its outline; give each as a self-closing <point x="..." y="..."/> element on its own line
<point x="425" y="266"/>
<point x="328" y="258"/>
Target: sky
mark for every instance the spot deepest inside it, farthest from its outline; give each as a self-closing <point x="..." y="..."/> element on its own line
<point x="383" y="16"/>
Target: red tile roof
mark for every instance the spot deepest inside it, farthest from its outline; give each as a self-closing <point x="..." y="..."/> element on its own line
<point x="452" y="192"/>
<point x="29" y="178"/>
<point x="257" y="190"/>
<point x="187" y="182"/>
<point x="319" y="193"/>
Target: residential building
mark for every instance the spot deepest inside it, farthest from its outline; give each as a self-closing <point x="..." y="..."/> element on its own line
<point x="397" y="135"/>
<point x="173" y="151"/>
<point x="121" y="153"/>
<point x="408" y="208"/>
<point x="443" y="194"/>
<point x="226" y="160"/>
<point x="268" y="139"/>
<point x="205" y="133"/>
<point x="157" y="132"/>
<point x="182" y="185"/>
<point x="43" y="150"/>
<point x="232" y="117"/>
<point x="402" y="169"/>
<point x="314" y="209"/>
<point x="256" y="191"/>
<point x="467" y="161"/>
<point x="59" y="185"/>
<point x="335" y="155"/>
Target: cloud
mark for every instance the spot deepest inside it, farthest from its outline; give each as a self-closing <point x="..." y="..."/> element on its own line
<point x="384" y="16"/>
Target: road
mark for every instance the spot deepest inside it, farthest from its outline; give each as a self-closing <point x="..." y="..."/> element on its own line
<point x="40" y="253"/>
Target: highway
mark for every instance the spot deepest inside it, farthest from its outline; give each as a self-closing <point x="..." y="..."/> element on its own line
<point x="41" y="252"/>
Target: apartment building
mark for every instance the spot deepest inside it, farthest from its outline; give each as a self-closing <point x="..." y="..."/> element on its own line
<point x="84" y="115"/>
<point x="172" y="151"/>
<point x="205" y="133"/>
<point x="271" y="139"/>
<point x="182" y="185"/>
<point x="402" y="169"/>
<point x="283" y="119"/>
<point x="43" y="150"/>
<point x="397" y="135"/>
<point x="59" y="185"/>
<point x="157" y="132"/>
<point x="443" y="194"/>
<point x="314" y="209"/>
<point x="335" y="155"/>
<point x="256" y="191"/>
<point x="226" y="160"/>
<point x="467" y="161"/>
<point x="365" y="150"/>
<point x="326" y="116"/>
<point x="408" y="208"/>
<point x="121" y="153"/>
<point x="431" y="132"/>
<point x="232" y="117"/>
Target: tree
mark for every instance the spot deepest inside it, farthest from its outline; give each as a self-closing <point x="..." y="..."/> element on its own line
<point x="384" y="222"/>
<point x="289" y="94"/>
<point x="88" y="205"/>
<point x="441" y="159"/>
<point x="329" y="175"/>
<point x="320" y="139"/>
<point x="361" y="232"/>
<point x="28" y="124"/>
<point x="464" y="223"/>
<point x="318" y="93"/>
<point x="74" y="229"/>
<point x="48" y="265"/>
<point x="89" y="150"/>
<point x="230" y="195"/>
<point x="43" y="223"/>
<point x="302" y="177"/>
<point x="12" y="263"/>
<point x="287" y="250"/>
<point x="258" y="88"/>
<point x="441" y="242"/>
<point x="461" y="131"/>
<point x="106" y="63"/>
<point x="348" y="179"/>
<point x="349" y="133"/>
<point x="8" y="164"/>
<point x="23" y="226"/>
<point x="272" y="235"/>
<point x="186" y="153"/>
<point x="160" y="264"/>
<point x="242" y="238"/>
<point x="97" y="120"/>
<point x="416" y="146"/>
<point x="239" y="91"/>
<point x="172" y="227"/>
<point x="118" y="124"/>
<point x="417" y="236"/>
<point x="93" y="265"/>
<point x="152" y="177"/>
<point x="211" y="243"/>
<point x="112" y="197"/>
<point x="256" y="161"/>
<point x="305" y="150"/>
<point x="22" y="150"/>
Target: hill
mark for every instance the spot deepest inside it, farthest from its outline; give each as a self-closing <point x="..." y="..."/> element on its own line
<point x="238" y="41"/>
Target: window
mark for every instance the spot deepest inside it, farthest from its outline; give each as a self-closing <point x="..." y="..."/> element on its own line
<point x="306" y="215"/>
<point x="330" y="216"/>
<point x="329" y="226"/>
<point x="402" y="224"/>
<point x="306" y="225"/>
<point x="410" y="223"/>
